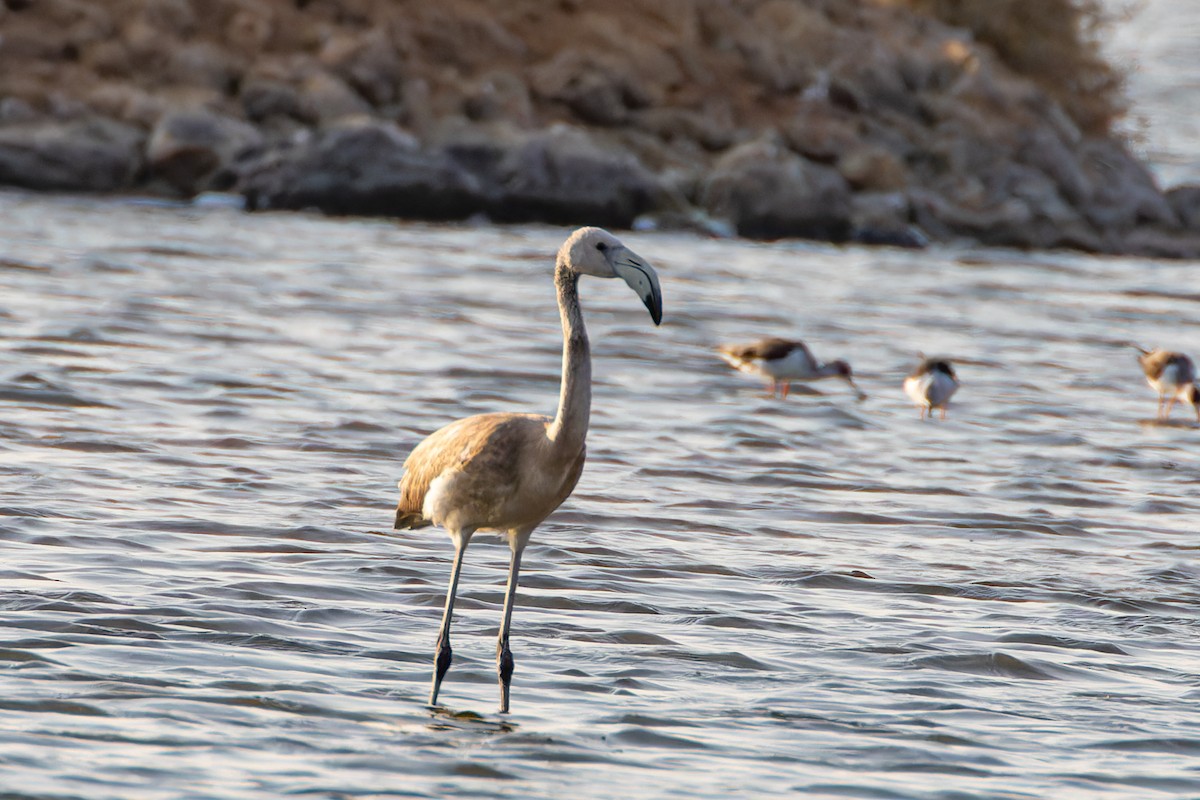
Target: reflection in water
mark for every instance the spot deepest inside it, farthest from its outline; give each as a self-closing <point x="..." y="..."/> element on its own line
<point x="203" y="416"/>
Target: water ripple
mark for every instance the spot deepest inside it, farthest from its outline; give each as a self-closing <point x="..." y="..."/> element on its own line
<point x="204" y="416"/>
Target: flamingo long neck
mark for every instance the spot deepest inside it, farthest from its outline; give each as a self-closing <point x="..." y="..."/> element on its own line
<point x="569" y="429"/>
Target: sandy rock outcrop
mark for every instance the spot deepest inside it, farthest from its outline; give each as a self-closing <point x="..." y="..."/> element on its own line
<point x="881" y="122"/>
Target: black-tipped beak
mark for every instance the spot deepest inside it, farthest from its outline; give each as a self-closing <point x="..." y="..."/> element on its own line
<point x="653" y="303"/>
<point x="642" y="278"/>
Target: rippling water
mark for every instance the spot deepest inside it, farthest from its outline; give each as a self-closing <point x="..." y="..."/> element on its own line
<point x="203" y="415"/>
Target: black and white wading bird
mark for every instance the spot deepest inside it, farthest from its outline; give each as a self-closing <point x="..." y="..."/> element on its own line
<point x="931" y="385"/>
<point x="783" y="361"/>
<point x="1173" y="376"/>
<point x="507" y="472"/>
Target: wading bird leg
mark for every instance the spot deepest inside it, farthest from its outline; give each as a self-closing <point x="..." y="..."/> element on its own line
<point x="943" y="412"/>
<point x="922" y="413"/>
<point x="787" y="387"/>
<point x="1170" y="405"/>
<point x="504" y="656"/>
<point x="1161" y="400"/>
<point x="443" y="654"/>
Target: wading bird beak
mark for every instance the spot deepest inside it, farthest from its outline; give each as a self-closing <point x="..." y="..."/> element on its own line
<point x="641" y="277"/>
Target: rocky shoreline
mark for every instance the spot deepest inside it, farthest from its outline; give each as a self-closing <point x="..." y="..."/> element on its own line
<point x="832" y="120"/>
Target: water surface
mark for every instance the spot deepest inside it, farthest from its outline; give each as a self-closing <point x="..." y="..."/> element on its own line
<point x="203" y="415"/>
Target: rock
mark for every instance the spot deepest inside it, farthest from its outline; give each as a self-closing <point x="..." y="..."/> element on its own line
<point x="499" y="95"/>
<point x="871" y="85"/>
<point x="325" y="99"/>
<point x="147" y="51"/>
<point x="1185" y="202"/>
<point x="127" y="103"/>
<point x="948" y="220"/>
<point x="1053" y="222"/>
<point x="84" y="23"/>
<point x="1042" y="149"/>
<point x="367" y="62"/>
<point x="65" y="107"/>
<point x="91" y="155"/>
<point x="1026" y="215"/>
<point x="1158" y="243"/>
<point x="188" y="149"/>
<point x="251" y="27"/>
<point x="594" y="88"/>
<point x="883" y="218"/>
<point x="803" y="39"/>
<point x="910" y="237"/>
<point x="16" y="110"/>
<point x="418" y="107"/>
<point x="363" y="167"/>
<point x="821" y="133"/>
<point x="264" y="98"/>
<point x="1123" y="192"/>
<point x="479" y="148"/>
<point x="168" y="17"/>
<point x="671" y="124"/>
<point x="768" y="192"/>
<point x="564" y="175"/>
<point x="109" y="59"/>
<point x="873" y="169"/>
<point x="561" y="175"/>
<point x="27" y="47"/>
<point x="205" y="64"/>
<point x="889" y="117"/>
<point x="657" y="155"/>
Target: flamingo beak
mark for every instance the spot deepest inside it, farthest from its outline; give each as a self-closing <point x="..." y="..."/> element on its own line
<point x="640" y="277"/>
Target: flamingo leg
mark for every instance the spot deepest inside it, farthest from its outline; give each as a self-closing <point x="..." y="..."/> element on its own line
<point x="504" y="656"/>
<point x="444" y="655"/>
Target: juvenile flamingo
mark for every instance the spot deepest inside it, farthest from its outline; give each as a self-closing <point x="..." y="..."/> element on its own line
<point x="507" y="472"/>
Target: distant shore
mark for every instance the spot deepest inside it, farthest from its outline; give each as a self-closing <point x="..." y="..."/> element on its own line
<point x="839" y="121"/>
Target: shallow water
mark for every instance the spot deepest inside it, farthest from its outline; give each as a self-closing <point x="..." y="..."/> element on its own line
<point x="203" y="415"/>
